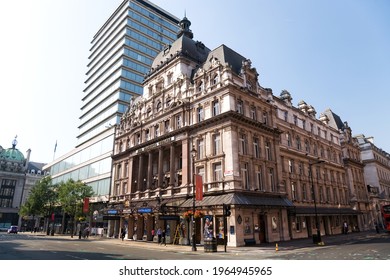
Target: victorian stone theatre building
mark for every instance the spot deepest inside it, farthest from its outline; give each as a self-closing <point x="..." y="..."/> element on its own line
<point x="204" y="112"/>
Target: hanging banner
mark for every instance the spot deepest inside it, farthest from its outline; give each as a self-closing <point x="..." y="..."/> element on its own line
<point x="198" y="187"/>
<point x="86" y="205"/>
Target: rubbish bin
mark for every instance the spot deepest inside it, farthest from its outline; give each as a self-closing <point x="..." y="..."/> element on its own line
<point x="210" y="245"/>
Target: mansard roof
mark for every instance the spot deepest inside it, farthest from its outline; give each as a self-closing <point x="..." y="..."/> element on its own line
<point x="183" y="46"/>
<point x="335" y="120"/>
<point x="225" y="55"/>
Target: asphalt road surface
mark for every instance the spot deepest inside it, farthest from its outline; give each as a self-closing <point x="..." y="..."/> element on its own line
<point x="26" y="246"/>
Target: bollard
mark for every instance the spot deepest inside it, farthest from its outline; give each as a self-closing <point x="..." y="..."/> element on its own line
<point x="276" y="247"/>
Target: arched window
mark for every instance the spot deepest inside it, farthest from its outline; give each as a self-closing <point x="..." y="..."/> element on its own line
<point x="158" y="106"/>
<point x="215" y="80"/>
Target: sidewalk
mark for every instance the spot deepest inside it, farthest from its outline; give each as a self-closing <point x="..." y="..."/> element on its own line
<point x="266" y="247"/>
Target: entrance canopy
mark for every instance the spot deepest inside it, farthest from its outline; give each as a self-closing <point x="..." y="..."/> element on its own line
<point x="241" y="199"/>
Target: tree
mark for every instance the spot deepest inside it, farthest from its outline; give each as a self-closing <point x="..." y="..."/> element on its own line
<point x="41" y="200"/>
<point x="71" y="195"/>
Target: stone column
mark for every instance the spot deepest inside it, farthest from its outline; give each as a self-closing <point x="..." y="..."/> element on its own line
<point x="140" y="169"/>
<point x="130" y="176"/>
<point x="172" y="166"/>
<point x="149" y="182"/>
<point x="160" y="167"/>
<point x="186" y="163"/>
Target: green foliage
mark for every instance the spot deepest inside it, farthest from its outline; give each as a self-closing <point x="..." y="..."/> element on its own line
<point x="41" y="199"/>
<point x="44" y="196"/>
<point x="71" y="195"/>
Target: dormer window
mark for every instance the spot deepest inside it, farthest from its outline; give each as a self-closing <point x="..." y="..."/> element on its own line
<point x="249" y="85"/>
<point x="200" y="87"/>
<point x="216" y="80"/>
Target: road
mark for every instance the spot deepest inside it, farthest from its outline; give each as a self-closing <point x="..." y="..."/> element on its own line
<point x="25" y="246"/>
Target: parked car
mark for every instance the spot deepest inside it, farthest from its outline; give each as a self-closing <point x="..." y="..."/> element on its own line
<point x="13" y="229"/>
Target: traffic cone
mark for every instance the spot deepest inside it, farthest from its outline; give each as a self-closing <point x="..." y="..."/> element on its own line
<point x="276" y="247"/>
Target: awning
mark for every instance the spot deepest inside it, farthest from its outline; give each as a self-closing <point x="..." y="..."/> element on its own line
<point x="254" y="200"/>
<point x="323" y="211"/>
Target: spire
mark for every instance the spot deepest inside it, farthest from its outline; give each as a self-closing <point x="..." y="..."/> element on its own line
<point x="185" y="28"/>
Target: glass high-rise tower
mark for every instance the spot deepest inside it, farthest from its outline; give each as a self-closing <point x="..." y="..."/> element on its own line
<point x="122" y="52"/>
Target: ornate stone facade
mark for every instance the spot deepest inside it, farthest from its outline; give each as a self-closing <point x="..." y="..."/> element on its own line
<point x="211" y="102"/>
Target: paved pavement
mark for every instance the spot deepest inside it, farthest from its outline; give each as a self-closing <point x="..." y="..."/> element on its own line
<point x="267" y="248"/>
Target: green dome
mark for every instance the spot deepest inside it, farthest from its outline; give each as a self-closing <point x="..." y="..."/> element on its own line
<point x="12" y="154"/>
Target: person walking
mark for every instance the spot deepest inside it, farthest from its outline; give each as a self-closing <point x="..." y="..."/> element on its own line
<point x="163" y="239"/>
<point x="159" y="235"/>
<point x="123" y="233"/>
<point x="345" y="227"/>
<point x="376" y="227"/>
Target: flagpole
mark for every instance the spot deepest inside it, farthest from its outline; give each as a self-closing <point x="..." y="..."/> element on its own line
<point x="55" y="148"/>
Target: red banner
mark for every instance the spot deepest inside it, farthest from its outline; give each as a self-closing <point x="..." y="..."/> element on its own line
<point x="86" y="205"/>
<point x="198" y="187"/>
<point x="52" y="216"/>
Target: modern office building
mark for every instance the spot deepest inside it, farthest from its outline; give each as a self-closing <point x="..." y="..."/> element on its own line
<point x="122" y="52"/>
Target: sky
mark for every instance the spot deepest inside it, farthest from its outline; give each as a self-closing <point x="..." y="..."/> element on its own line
<point x="331" y="54"/>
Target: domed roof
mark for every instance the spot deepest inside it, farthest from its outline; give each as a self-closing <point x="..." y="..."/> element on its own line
<point x="183" y="46"/>
<point x="12" y="154"/>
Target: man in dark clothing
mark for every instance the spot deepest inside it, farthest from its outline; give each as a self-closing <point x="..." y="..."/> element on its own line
<point x="163" y="240"/>
<point x="123" y="234"/>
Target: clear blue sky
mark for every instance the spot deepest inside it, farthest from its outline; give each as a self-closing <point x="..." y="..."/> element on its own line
<point x="332" y="54"/>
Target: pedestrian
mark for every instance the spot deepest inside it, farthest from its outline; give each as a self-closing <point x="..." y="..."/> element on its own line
<point x="159" y="235"/>
<point x="376" y="227"/>
<point x="345" y="227"/>
<point x="123" y="234"/>
<point x="163" y="240"/>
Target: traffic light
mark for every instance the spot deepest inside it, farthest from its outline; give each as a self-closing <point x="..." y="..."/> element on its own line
<point x="227" y="210"/>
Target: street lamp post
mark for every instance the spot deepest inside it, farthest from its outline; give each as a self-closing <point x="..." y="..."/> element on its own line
<point x="318" y="239"/>
<point x="193" y="156"/>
